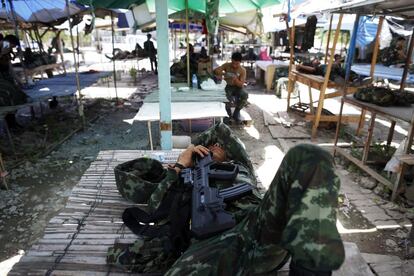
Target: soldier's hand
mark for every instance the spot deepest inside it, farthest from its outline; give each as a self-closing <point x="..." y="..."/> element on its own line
<point x="186" y="157"/>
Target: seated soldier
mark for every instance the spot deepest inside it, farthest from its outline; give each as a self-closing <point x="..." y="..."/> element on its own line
<point x="235" y="75"/>
<point x="10" y="92"/>
<point x="296" y="217"/>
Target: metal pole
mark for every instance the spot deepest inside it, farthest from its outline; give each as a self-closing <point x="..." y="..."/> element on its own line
<point x="407" y="63"/>
<point x="376" y="48"/>
<point x="79" y="96"/>
<point x="188" y="42"/>
<point x="328" y="39"/>
<point x="164" y="78"/>
<point x="113" y="57"/>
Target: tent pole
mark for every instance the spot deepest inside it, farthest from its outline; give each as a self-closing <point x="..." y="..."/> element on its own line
<point x="164" y="78"/>
<point x="328" y="39"/>
<point x="175" y="43"/>
<point x="79" y="96"/>
<point x="376" y="47"/>
<point x="113" y="57"/>
<point x="291" y="35"/>
<point x="77" y="44"/>
<point x="16" y="31"/>
<point x="407" y="63"/>
<point x="188" y="42"/>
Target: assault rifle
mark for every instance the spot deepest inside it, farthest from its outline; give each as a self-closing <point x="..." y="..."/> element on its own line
<point x="208" y="216"/>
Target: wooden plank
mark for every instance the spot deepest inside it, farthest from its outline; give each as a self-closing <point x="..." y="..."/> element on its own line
<point x="365" y="168"/>
<point x="284" y="132"/>
<point x="407" y="159"/>
<point x="334" y="118"/>
<point x="268" y="118"/>
<point x="284" y="118"/>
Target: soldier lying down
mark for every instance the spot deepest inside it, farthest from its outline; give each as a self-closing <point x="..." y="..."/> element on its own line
<point x="295" y="218"/>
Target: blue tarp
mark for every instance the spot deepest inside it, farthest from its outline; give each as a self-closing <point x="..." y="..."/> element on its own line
<point x="62" y="85"/>
<point x="43" y="11"/>
<point x="367" y="31"/>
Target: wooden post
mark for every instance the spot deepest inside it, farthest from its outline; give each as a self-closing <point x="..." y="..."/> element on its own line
<point x="328" y="40"/>
<point x="376" y="47"/>
<point x="3" y="173"/>
<point x="326" y="81"/>
<point x="188" y="42"/>
<point x="113" y="57"/>
<point x="369" y="138"/>
<point x="407" y="62"/>
<point x="291" y="83"/>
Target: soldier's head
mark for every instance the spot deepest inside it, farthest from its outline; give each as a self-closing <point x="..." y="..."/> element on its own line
<point x="149" y="36"/>
<point x="400" y="43"/>
<point x="315" y="62"/>
<point x="12" y="39"/>
<point x="219" y="154"/>
<point x="236" y="59"/>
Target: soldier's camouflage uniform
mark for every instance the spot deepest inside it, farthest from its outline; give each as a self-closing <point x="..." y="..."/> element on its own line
<point x="295" y="217"/>
<point x="237" y="95"/>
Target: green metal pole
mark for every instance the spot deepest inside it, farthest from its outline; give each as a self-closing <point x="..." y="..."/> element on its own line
<point x="164" y="78"/>
<point x="188" y="42"/>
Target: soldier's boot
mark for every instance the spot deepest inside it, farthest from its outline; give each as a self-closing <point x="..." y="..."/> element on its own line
<point x="236" y="115"/>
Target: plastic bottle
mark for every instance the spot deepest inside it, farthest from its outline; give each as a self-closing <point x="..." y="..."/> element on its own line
<point x="194" y="81"/>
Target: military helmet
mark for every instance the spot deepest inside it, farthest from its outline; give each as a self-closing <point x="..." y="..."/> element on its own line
<point x="137" y="179"/>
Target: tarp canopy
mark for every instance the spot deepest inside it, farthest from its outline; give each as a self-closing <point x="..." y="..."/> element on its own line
<point x="346" y="25"/>
<point x="39" y="11"/>
<point x="226" y="6"/>
<point x="234" y="13"/>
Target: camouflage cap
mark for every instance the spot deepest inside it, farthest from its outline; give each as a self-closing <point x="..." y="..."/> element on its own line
<point x="137" y="179"/>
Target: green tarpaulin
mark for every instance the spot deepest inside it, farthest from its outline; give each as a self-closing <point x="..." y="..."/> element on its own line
<point x="226" y="6"/>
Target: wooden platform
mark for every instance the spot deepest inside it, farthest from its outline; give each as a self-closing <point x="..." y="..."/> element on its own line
<point x="76" y="241"/>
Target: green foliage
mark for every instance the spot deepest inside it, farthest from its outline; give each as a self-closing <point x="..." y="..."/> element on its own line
<point x="133" y="73"/>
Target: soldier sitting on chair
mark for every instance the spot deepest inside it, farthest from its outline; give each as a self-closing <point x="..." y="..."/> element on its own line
<point x="235" y="75"/>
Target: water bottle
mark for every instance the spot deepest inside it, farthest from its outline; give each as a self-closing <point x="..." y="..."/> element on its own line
<point x="194" y="81"/>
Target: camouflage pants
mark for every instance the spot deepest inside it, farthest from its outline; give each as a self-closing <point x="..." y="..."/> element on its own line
<point x="296" y="216"/>
<point x="237" y="95"/>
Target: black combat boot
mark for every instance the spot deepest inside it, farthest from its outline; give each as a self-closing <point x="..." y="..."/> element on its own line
<point x="236" y="115"/>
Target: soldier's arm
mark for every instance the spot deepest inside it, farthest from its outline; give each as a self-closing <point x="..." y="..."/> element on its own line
<point x="239" y="82"/>
<point x="219" y="71"/>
